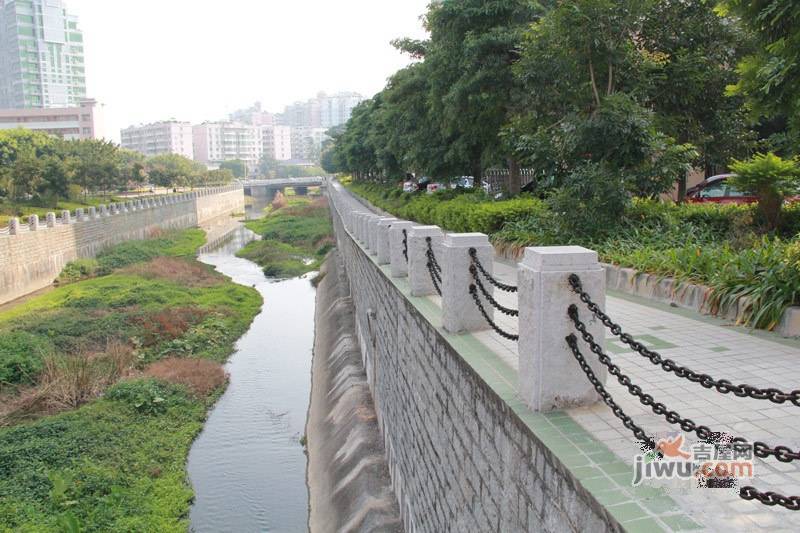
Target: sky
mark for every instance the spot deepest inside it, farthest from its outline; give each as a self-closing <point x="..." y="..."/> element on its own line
<point x="196" y="60"/>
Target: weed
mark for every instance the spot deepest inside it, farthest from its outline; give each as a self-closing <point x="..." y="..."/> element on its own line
<point x="200" y="376"/>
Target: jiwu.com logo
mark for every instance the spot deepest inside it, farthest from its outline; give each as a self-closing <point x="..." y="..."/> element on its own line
<point x="711" y="464"/>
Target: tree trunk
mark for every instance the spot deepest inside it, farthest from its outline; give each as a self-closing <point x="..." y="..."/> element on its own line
<point x="682" y="189"/>
<point x="514" y="181"/>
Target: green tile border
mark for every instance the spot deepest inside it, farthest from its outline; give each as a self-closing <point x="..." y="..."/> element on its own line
<point x="592" y="463"/>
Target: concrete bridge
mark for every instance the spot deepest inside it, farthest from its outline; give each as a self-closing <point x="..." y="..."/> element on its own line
<point x="268" y="188"/>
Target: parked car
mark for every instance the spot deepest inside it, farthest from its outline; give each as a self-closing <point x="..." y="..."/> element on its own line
<point x="433" y="187"/>
<point x="410" y="186"/>
<point x="717" y="189"/>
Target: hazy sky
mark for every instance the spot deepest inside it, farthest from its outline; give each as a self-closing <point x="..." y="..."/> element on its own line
<point x="196" y="60"/>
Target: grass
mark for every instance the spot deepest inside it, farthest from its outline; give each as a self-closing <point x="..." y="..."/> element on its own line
<point x="296" y="236"/>
<point x="104" y="383"/>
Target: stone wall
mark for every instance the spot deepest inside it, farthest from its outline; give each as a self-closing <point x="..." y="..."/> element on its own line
<point x="460" y="458"/>
<point x="32" y="256"/>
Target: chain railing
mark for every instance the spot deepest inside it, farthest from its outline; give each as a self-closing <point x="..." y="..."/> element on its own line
<point x="760" y="449"/>
<point x="405" y="245"/>
<point x="473" y="291"/>
<point x="722" y="386"/>
<point x="433" y="267"/>
<point x="473" y="254"/>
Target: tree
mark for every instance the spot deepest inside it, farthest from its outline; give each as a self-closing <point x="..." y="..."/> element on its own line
<point x="769" y="177"/>
<point x="97" y="165"/>
<point x="770" y="75"/>
<point x="236" y="166"/>
<point x="221" y="176"/>
<point x="173" y="170"/>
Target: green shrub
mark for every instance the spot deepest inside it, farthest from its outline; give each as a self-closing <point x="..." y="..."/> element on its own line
<point x="147" y="396"/>
<point x="78" y="270"/>
<point x="21" y="356"/>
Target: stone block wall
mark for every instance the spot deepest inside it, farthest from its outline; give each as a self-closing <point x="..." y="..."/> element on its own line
<point x="460" y="458"/>
<point x="32" y="257"/>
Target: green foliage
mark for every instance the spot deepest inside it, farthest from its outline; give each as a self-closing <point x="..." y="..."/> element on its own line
<point x="295" y="239"/>
<point x="147" y="396"/>
<point x="769" y="177"/>
<point x="78" y="269"/>
<point x="236" y="166"/>
<point x="173" y="170"/>
<point x="21" y="355"/>
<point x="173" y="244"/>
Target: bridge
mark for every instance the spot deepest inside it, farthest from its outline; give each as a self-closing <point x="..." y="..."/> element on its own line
<point x="268" y="187"/>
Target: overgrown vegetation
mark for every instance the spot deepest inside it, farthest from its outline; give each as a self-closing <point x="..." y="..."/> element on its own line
<point x="728" y="247"/>
<point x="296" y="237"/>
<point x="105" y="381"/>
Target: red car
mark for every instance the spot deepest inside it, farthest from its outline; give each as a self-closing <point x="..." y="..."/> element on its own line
<point x="716" y="189"/>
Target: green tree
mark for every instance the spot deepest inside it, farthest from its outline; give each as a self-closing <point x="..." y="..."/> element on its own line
<point x="236" y="166"/>
<point x="173" y="170"/>
<point x="769" y="177"/>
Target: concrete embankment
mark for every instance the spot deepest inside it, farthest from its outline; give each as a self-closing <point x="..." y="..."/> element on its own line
<point x="349" y="484"/>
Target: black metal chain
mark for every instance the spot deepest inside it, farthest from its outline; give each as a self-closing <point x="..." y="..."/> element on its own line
<point x="627" y="421"/>
<point x="722" y="386"/>
<point x="432" y="256"/>
<point x="783" y="454"/>
<point x="434" y="277"/>
<point x="489" y="298"/>
<point x="473" y="253"/>
<point x="405" y="245"/>
<point x="747" y="493"/>
<point x="473" y="290"/>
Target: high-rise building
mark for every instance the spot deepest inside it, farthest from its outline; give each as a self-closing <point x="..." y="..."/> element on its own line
<point x="307" y="143"/>
<point x="41" y="55"/>
<point x="277" y="142"/>
<point x="324" y="111"/>
<point x="253" y="115"/>
<point x="167" y="137"/>
<point x="215" y="142"/>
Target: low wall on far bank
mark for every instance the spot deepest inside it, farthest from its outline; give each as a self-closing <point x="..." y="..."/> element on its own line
<point x="32" y="256"/>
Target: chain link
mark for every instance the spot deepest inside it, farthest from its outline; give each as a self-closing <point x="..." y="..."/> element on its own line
<point x="770" y="498"/>
<point x="473" y="253"/>
<point x="783" y="454"/>
<point x="722" y="386"/>
<point x="405" y="245"/>
<point x="432" y="256"/>
<point x="489" y="298"/>
<point x="473" y="290"/>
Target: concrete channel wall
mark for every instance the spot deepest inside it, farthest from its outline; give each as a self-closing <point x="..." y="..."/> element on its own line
<point x="33" y="255"/>
<point x="460" y="457"/>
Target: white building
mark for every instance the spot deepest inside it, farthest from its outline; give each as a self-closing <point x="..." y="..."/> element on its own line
<point x="307" y="143"/>
<point x="41" y="55"/>
<point x="167" y="137"/>
<point x="215" y="142"/>
<point x="82" y="122"/>
<point x="276" y="142"/>
<point x="335" y="110"/>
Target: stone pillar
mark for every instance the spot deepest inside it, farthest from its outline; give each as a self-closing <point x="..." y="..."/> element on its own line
<point x="66" y="217"/>
<point x="79" y="215"/>
<point x="33" y="222"/>
<point x="13" y="226"/>
<point x="549" y="376"/>
<point x="51" y="220"/>
<point x="397" y="234"/>
<point x="419" y="278"/>
<point x="92" y="213"/>
<point x="103" y="211"/>
<point x="373" y="233"/>
<point x="384" y="253"/>
<point x="459" y="311"/>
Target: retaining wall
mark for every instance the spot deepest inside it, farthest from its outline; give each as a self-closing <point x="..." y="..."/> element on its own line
<point x="460" y="458"/>
<point x="33" y="255"/>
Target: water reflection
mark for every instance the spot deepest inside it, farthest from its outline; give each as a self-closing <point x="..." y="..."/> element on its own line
<point x="247" y="466"/>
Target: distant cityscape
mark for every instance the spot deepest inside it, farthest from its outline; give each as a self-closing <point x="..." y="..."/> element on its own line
<point x="43" y="87"/>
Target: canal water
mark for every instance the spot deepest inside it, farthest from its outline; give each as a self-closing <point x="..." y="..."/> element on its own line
<point x="247" y="467"/>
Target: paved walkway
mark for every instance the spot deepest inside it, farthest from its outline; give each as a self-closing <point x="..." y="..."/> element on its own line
<point x="706" y="345"/>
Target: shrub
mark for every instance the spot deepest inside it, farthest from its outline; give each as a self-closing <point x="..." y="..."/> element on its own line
<point x="78" y="270"/>
<point x="182" y="271"/>
<point x="168" y="324"/>
<point x="147" y="396"/>
<point x="769" y="177"/>
<point x="21" y="355"/>
<point x="200" y="376"/>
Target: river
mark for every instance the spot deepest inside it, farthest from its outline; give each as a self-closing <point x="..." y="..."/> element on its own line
<point x="247" y="466"/>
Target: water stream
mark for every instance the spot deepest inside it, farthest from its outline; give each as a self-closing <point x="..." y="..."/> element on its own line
<point x="247" y="466"/>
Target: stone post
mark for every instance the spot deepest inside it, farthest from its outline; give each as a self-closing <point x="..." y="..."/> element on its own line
<point x="13" y="226"/>
<point x="459" y="311"/>
<point x="66" y="217"/>
<point x="373" y="233"/>
<point x="51" y="220"/>
<point x="397" y="234"/>
<point x="419" y="278"/>
<point x="92" y="213"/>
<point x="549" y="376"/>
<point x="355" y="228"/>
<point x="384" y="254"/>
<point x="33" y="222"/>
<point x="363" y="233"/>
<point x="79" y="215"/>
<point x="103" y="211"/>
